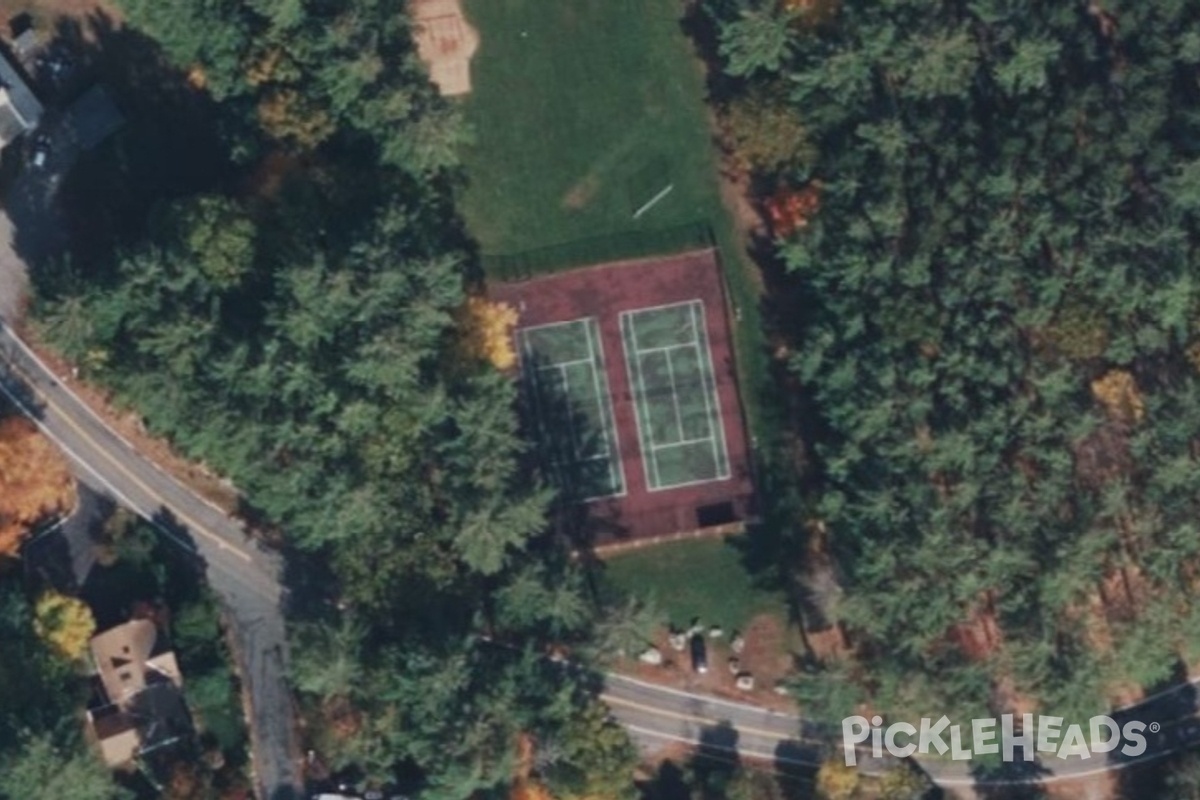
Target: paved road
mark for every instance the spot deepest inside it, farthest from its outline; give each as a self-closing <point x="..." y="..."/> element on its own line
<point x="245" y="577"/>
<point x="657" y="716"/>
<point x="248" y="580"/>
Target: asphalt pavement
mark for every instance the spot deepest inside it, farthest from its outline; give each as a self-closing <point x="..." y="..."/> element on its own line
<point x="244" y="575"/>
<point x="248" y="579"/>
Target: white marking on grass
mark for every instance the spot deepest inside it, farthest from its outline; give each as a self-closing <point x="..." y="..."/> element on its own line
<point x="653" y="201"/>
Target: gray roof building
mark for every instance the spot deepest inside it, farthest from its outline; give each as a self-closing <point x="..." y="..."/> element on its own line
<point x="19" y="109"/>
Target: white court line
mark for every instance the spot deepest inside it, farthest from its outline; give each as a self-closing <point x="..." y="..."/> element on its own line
<point x="534" y="375"/>
<point x="574" y="363"/>
<point x="703" y="356"/>
<point x="683" y="443"/>
<point x="699" y="344"/>
<point x="548" y="325"/>
<point x="659" y="307"/>
<point x="531" y="377"/>
<point x="674" y="402"/>
<point x="632" y="365"/>
<point x="665" y="348"/>
<point x="612" y="442"/>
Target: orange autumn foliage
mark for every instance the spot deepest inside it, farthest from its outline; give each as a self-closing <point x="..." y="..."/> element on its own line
<point x="487" y="331"/>
<point x="789" y="210"/>
<point x="524" y="786"/>
<point x="811" y="13"/>
<point x="34" y="482"/>
<point x="1118" y="392"/>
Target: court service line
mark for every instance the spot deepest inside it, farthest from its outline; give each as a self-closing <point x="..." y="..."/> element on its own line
<point x="616" y="476"/>
<point x="629" y="343"/>
<point x="709" y="381"/>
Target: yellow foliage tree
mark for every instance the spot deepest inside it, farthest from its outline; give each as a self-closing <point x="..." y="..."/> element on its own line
<point x="1117" y="391"/>
<point x="903" y="783"/>
<point x="487" y="331"/>
<point x="291" y="116"/>
<point x="836" y="781"/>
<point x="34" y="482"/>
<point x="65" y="623"/>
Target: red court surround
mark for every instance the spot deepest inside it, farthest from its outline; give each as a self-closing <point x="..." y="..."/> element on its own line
<point x="604" y="292"/>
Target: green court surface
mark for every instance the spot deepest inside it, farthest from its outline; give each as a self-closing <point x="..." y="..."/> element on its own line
<point x="584" y="113"/>
<point x="675" y="395"/>
<point x="563" y="366"/>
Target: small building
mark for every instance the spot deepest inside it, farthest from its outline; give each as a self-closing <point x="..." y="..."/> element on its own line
<point x="139" y="706"/>
<point x="20" y="110"/>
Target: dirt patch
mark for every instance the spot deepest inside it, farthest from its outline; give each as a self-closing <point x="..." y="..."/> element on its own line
<point x="445" y="42"/>
<point x="1105" y="786"/>
<point x="767" y="656"/>
<point x="579" y="195"/>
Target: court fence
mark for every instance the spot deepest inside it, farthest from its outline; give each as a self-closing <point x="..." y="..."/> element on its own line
<point x="598" y="250"/>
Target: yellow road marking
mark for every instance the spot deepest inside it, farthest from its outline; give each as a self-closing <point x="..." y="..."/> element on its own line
<point x="182" y="517"/>
<point x="661" y="712"/>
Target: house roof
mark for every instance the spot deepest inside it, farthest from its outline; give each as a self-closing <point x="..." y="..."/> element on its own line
<point x="10" y="124"/>
<point x="129" y="657"/>
<point x="18" y="99"/>
<point x="143" y="710"/>
<point x="26" y="44"/>
<point x="116" y="733"/>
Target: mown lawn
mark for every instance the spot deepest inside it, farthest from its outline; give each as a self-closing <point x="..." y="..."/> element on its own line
<point x="582" y="112"/>
<point x="702" y="578"/>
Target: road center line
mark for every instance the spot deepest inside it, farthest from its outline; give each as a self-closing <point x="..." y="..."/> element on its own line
<point x="103" y="452"/>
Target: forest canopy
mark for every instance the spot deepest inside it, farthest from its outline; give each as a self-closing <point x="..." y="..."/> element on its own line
<point x="998" y="323"/>
<point x="301" y="333"/>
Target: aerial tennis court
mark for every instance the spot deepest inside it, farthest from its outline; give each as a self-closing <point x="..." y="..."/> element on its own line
<point x="563" y="365"/>
<point x="630" y="391"/>
<point x="674" y="393"/>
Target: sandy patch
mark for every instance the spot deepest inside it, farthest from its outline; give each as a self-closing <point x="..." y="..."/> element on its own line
<point x="581" y="193"/>
<point x="445" y="42"/>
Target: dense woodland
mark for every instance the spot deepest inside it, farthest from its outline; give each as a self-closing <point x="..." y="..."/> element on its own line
<point x="293" y="321"/>
<point x="986" y="290"/>
<point x="994" y="319"/>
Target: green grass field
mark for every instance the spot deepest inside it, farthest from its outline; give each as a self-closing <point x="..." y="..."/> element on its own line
<point x="697" y="578"/>
<point x="582" y="112"/>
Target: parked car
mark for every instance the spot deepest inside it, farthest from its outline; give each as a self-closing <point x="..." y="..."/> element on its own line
<point x="40" y="152"/>
<point x="699" y="653"/>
